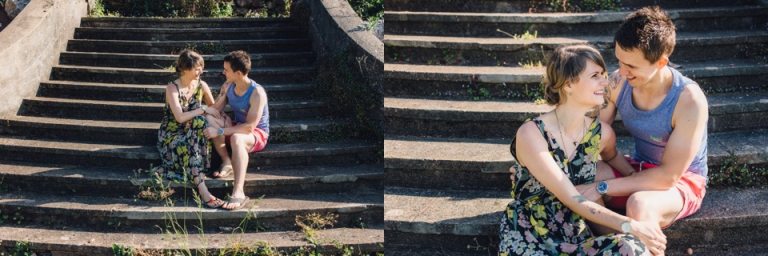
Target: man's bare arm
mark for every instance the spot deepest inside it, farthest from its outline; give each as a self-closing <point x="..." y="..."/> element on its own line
<point x="689" y="125"/>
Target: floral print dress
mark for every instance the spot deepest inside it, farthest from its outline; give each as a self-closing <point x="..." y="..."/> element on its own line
<point x="184" y="150"/>
<point x="537" y="223"/>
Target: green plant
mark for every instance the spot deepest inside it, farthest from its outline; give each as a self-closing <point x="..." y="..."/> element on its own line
<point x="154" y="188"/>
<point x="312" y="222"/>
<point x="123" y="250"/>
<point x="114" y="224"/>
<point x="368" y="10"/>
<point x="22" y="248"/>
<point x="221" y="10"/>
<point x="525" y="36"/>
<point x="574" y="6"/>
<point x="734" y="173"/>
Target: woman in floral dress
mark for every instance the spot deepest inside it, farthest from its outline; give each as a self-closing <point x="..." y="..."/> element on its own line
<point x="183" y="148"/>
<point x="559" y="150"/>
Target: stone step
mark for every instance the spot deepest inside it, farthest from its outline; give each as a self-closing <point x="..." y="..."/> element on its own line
<point x="507" y="6"/>
<point x="501" y="119"/>
<point x="85" y="242"/>
<point x="150" y="92"/>
<point x="477" y="163"/>
<point x="142" y="22"/>
<point x="128" y="132"/>
<point x="275" y="213"/>
<point x="559" y="24"/>
<point x="266" y="75"/>
<point x="142" y="156"/>
<point x="165" y="61"/>
<point x="469" y="51"/>
<point x="424" y="220"/>
<point x="202" y="47"/>
<point x="178" y="34"/>
<point x="121" y="182"/>
<point x="148" y="111"/>
<point x="462" y="82"/>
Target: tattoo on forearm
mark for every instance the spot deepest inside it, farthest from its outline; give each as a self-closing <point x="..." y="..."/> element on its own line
<point x="580" y="198"/>
<point x="592" y="209"/>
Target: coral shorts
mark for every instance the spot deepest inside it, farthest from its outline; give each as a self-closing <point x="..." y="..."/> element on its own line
<point x="692" y="188"/>
<point x="260" y="137"/>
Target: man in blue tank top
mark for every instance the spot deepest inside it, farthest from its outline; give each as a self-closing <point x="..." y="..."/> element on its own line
<point x="250" y="129"/>
<point x="666" y="114"/>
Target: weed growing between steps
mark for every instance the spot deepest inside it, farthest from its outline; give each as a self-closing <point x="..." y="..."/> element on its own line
<point x="349" y="98"/>
<point x="574" y="6"/>
<point x="734" y="173"/>
<point x="525" y="36"/>
<point x="205" y="48"/>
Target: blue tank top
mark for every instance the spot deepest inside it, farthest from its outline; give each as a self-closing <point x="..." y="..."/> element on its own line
<point x="651" y="129"/>
<point x="241" y="104"/>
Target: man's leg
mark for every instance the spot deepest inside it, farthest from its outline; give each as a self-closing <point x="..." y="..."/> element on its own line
<point x="219" y="143"/>
<point x="657" y="206"/>
<point x="241" y="146"/>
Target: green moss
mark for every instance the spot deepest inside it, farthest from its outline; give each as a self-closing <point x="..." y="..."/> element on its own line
<point x="733" y="173"/>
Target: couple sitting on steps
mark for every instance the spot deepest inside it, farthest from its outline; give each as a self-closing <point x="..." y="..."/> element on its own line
<point x="561" y="189"/>
<point x="193" y="123"/>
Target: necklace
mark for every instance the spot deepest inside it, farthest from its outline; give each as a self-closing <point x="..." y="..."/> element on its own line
<point x="562" y="136"/>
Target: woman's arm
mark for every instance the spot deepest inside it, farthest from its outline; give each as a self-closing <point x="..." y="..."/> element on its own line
<point x="533" y="153"/>
<point x="208" y="99"/>
<point x="610" y="154"/>
<point x="172" y="98"/>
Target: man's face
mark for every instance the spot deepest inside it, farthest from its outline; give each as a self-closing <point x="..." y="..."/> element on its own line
<point x="231" y="75"/>
<point x="634" y="66"/>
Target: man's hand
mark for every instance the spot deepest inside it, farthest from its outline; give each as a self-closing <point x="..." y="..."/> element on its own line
<point x="589" y="192"/>
<point x="211" y="133"/>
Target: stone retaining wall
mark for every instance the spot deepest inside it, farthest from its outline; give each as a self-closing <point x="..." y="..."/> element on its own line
<point x="336" y="28"/>
<point x="30" y="45"/>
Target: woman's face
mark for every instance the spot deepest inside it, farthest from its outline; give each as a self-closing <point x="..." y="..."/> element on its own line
<point x="193" y="73"/>
<point x="590" y="87"/>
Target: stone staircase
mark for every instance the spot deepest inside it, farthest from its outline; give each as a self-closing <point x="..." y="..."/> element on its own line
<point x="69" y="160"/>
<point x="456" y="90"/>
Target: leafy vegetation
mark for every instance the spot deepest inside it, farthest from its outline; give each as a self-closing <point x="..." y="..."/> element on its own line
<point x="369" y="10"/>
<point x="574" y="6"/>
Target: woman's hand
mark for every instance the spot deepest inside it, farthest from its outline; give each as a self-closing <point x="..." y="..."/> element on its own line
<point x="213" y="111"/>
<point x="650" y="234"/>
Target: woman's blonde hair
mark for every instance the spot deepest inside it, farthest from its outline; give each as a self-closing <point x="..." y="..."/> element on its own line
<point x="565" y="65"/>
<point x="187" y="60"/>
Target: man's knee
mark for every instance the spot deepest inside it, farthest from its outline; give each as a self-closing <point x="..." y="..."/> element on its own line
<point x="240" y="141"/>
<point x="212" y="121"/>
<point x="638" y="204"/>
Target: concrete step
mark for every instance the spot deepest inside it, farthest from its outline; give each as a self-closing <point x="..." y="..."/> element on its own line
<point x="142" y="22"/>
<point x="203" y="47"/>
<point x="422" y="220"/>
<point x="476" y="163"/>
<point x="266" y="75"/>
<point x="85" y="242"/>
<point x="507" y="6"/>
<point x="128" y="132"/>
<point x="165" y="61"/>
<point x="148" y="111"/>
<point x="559" y="24"/>
<point x="469" y="51"/>
<point x="142" y="156"/>
<point x="178" y="34"/>
<point x="120" y="182"/>
<point x="501" y="119"/>
<point x="275" y="213"/>
<point x="150" y="92"/>
<point x="462" y="82"/>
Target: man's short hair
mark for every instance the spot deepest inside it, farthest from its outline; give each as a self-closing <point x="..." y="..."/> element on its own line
<point x="648" y="29"/>
<point x="239" y="61"/>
